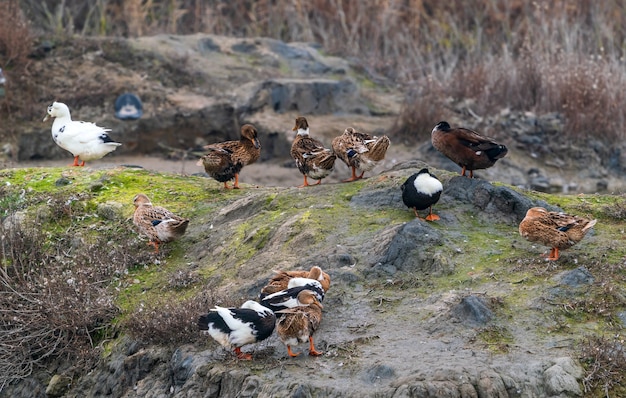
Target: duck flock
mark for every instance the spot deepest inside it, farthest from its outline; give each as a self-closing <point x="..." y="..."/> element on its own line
<point x="291" y="302"/>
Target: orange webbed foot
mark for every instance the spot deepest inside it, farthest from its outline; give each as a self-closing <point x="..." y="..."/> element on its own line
<point x="242" y="355"/>
<point x="312" y="351"/>
<point x="432" y="217"/>
<point x="291" y="353"/>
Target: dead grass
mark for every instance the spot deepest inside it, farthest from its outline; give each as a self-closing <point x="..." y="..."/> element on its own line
<point x="604" y="360"/>
<point x="172" y="322"/>
<point x="539" y="56"/>
<point x="55" y="291"/>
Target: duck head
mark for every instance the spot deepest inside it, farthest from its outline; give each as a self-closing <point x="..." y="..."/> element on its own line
<point x="249" y="132"/>
<point x="57" y="109"/>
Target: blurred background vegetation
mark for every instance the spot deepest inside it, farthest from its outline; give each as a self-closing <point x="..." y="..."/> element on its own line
<point x="563" y="56"/>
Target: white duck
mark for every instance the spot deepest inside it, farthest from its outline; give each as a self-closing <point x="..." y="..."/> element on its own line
<point x="84" y="140"/>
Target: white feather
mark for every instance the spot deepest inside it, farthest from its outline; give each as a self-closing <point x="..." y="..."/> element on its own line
<point x="427" y="184"/>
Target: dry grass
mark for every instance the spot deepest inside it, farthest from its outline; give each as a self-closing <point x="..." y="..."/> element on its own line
<point x="172" y="322"/>
<point x="604" y="360"/>
<point x="55" y="291"/>
<point x="553" y="56"/>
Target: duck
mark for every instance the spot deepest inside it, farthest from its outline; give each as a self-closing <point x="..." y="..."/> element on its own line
<point x="280" y="281"/>
<point x="84" y="140"/>
<point x="233" y="328"/>
<point x="226" y="159"/>
<point x="288" y="298"/>
<point x="557" y="230"/>
<point x="465" y="147"/>
<point x="312" y="159"/>
<point x="360" y="151"/>
<point x="297" y="325"/>
<point x="157" y="223"/>
<point x="421" y="191"/>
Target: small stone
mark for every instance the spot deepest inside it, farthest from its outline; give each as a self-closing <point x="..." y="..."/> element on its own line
<point x="58" y="386"/>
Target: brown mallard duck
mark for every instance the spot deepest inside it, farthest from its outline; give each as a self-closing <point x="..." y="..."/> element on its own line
<point x="360" y="151"/>
<point x="466" y="148"/>
<point x="312" y="159"/>
<point x="298" y="324"/>
<point x="559" y="231"/>
<point x="280" y="281"/>
<point x="226" y="159"/>
<point x="157" y="223"/>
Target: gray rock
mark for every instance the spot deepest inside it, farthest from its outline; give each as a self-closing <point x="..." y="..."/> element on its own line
<point x="111" y="211"/>
<point x="58" y="386"/>
<point x="576" y="278"/>
<point x="473" y="311"/>
<point x="558" y="382"/>
<point x="377" y="373"/>
<point x="411" y="249"/>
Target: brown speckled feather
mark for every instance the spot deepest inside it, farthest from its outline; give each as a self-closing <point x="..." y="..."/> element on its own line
<point x="281" y="279"/>
<point x="157" y="223"/>
<point x="312" y="159"/>
<point x="360" y="150"/>
<point x="466" y="148"/>
<point x="556" y="230"/>
<point x="225" y="160"/>
<point x="298" y="324"/>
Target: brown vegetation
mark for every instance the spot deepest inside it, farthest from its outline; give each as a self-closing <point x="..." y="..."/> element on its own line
<point x="540" y="56"/>
<point x="55" y="293"/>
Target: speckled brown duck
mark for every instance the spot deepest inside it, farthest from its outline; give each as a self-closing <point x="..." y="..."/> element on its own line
<point x="559" y="231"/>
<point x="225" y="160"/>
<point x="312" y="159"/>
<point x="157" y="223"/>
<point x="280" y="280"/>
<point x="467" y="148"/>
<point x="297" y="325"/>
<point x="360" y="151"/>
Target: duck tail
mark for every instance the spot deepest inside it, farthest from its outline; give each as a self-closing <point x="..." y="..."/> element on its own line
<point x="497" y="152"/>
<point x="589" y="225"/>
<point x="378" y="148"/>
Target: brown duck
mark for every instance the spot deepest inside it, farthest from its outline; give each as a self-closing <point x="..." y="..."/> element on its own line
<point x="157" y="223"/>
<point x="280" y="281"/>
<point x="226" y="159"/>
<point x="466" y="148"/>
<point x="312" y="159"/>
<point x="559" y="231"/>
<point x="360" y="151"/>
<point x="298" y="324"/>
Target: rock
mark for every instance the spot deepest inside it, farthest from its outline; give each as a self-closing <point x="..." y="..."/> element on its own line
<point x="403" y="253"/>
<point x="575" y="278"/>
<point x="490" y="384"/>
<point x="558" y="382"/>
<point x="473" y="311"/>
<point x="378" y="373"/>
<point x="111" y="211"/>
<point x="58" y="385"/>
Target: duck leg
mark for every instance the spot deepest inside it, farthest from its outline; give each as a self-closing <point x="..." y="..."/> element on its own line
<point x="431" y="216"/>
<point x="291" y="353"/>
<point x="554" y="254"/>
<point x="155" y="244"/>
<point x="463" y="171"/>
<point x="76" y="162"/>
<point x="471" y="174"/>
<point x="417" y="214"/>
<point x="354" y="176"/>
<point x="242" y="355"/>
<point x="236" y="186"/>
<point x="306" y="183"/>
<point x="312" y="351"/>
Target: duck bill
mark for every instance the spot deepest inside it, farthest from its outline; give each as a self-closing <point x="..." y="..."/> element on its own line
<point x="46" y="118"/>
<point x="257" y="144"/>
